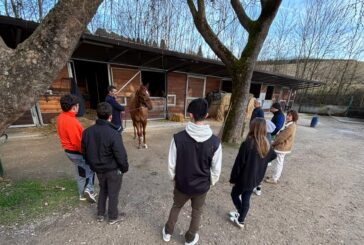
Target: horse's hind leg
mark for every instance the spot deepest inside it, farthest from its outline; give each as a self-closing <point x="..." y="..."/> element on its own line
<point x="134" y="127"/>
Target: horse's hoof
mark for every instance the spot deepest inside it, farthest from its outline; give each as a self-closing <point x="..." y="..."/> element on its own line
<point x="145" y="146"/>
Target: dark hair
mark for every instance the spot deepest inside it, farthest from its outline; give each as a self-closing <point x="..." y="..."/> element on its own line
<point x="104" y="110"/>
<point x="276" y="105"/>
<point x="67" y="101"/>
<point x="198" y="108"/>
<point x="294" y="115"/>
<point x="110" y="88"/>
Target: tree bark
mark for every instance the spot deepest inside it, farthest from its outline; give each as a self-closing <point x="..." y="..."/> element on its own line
<point x="241" y="70"/>
<point x="27" y="71"/>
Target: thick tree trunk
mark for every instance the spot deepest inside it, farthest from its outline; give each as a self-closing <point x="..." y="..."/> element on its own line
<point x="241" y="70"/>
<point x="233" y="127"/>
<point x="27" y="71"/>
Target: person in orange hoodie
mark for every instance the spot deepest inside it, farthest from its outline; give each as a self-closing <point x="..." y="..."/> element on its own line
<point x="70" y="133"/>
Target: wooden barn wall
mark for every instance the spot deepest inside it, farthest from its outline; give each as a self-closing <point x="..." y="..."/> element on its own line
<point x="195" y="86"/>
<point x="121" y="75"/>
<point x="177" y="87"/>
<point x="277" y="93"/>
<point x="285" y="94"/>
<point x="212" y="84"/>
<point x="25" y="119"/>
<point x="49" y="104"/>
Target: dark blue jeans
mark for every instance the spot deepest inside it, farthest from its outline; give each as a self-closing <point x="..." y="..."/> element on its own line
<point x="241" y="200"/>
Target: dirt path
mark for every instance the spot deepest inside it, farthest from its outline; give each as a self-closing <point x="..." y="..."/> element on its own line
<point x="319" y="201"/>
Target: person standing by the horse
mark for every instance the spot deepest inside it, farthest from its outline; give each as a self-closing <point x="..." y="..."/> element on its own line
<point x="69" y="130"/>
<point x="116" y="107"/>
<point x="194" y="164"/>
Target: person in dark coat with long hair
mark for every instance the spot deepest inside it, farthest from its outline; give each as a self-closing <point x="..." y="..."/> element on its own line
<point x="249" y="169"/>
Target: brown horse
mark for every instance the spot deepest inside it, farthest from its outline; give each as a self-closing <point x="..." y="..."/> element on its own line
<point x="140" y="103"/>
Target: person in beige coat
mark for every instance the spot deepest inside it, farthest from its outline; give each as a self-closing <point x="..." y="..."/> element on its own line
<point x="283" y="145"/>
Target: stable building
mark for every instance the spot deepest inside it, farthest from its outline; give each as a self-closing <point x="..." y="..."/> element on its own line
<point x="174" y="78"/>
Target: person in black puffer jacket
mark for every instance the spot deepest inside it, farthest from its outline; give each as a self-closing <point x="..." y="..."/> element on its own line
<point x="104" y="151"/>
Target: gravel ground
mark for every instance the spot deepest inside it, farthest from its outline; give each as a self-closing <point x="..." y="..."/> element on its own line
<point x="319" y="200"/>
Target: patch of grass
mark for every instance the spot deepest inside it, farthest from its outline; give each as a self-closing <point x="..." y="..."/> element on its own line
<point x="24" y="200"/>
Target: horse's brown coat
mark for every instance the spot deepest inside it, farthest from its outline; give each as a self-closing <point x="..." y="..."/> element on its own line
<point x="140" y="103"/>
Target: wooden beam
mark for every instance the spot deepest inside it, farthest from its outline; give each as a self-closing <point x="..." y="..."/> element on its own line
<point x="119" y="55"/>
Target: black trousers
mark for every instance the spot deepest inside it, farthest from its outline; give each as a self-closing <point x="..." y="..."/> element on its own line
<point x="110" y="184"/>
<point x="241" y="200"/>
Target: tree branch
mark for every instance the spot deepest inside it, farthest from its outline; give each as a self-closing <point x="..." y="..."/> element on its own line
<point x="199" y="17"/>
<point x="269" y="9"/>
<point x="56" y="37"/>
<point x="27" y="71"/>
<point x="244" y="20"/>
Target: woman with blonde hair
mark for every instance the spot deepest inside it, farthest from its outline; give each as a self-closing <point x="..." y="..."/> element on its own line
<point x="249" y="169"/>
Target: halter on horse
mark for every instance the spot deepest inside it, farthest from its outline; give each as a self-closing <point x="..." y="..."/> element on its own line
<point x="139" y="105"/>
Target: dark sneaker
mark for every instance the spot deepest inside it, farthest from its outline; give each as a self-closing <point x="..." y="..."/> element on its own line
<point x="195" y="240"/>
<point x="118" y="219"/>
<point x="90" y="195"/>
<point x="100" y="218"/>
<point x="115" y="221"/>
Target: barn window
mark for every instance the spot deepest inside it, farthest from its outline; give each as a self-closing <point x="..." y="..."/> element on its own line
<point x="269" y="94"/>
<point x="255" y="89"/>
<point x="227" y="86"/>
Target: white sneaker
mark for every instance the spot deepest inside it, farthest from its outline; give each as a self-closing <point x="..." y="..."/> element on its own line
<point x="195" y="240"/>
<point x="234" y="214"/>
<point x="166" y="237"/>
<point x="257" y="191"/>
<point x="82" y="198"/>
<point x="236" y="222"/>
<point x="90" y="195"/>
<point x="269" y="164"/>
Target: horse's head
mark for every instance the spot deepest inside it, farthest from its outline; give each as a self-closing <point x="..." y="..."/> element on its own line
<point x="143" y="97"/>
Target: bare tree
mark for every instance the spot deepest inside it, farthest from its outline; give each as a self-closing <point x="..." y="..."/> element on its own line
<point x="240" y="69"/>
<point x="27" y="71"/>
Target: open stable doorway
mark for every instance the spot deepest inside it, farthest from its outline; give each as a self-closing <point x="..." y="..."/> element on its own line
<point x="92" y="80"/>
<point x="156" y="82"/>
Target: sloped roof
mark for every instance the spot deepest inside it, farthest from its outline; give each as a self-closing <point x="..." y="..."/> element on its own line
<point x="118" y="51"/>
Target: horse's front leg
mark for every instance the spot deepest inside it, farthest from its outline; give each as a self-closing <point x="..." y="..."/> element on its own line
<point x="144" y="138"/>
<point x="139" y="132"/>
